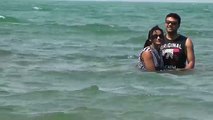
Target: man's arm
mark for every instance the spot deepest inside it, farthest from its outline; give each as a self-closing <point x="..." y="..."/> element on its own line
<point x="190" y="54"/>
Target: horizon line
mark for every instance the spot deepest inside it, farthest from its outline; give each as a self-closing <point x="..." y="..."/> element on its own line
<point x="163" y="1"/>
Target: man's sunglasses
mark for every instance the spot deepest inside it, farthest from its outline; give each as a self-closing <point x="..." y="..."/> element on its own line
<point x="171" y="22"/>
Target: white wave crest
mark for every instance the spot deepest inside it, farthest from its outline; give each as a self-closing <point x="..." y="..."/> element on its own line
<point x="37" y="8"/>
<point x="2" y="17"/>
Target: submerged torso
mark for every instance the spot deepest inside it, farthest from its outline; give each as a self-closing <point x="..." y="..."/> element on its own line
<point x="173" y="52"/>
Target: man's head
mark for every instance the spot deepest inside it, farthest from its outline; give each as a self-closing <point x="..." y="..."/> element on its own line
<point x="172" y="22"/>
<point x="175" y="16"/>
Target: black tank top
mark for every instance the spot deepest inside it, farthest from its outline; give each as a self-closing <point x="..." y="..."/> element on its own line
<point x="173" y="52"/>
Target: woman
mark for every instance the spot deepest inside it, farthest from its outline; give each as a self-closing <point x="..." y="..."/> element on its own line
<point x="150" y="58"/>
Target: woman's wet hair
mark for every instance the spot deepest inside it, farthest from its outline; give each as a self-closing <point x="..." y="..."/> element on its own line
<point x="148" y="41"/>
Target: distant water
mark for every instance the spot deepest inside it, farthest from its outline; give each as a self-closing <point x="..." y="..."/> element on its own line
<point x="63" y="60"/>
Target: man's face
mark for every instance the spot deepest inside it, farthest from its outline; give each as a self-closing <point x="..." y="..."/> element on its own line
<point x="171" y="24"/>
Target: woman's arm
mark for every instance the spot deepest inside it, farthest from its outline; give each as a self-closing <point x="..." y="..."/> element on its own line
<point x="148" y="61"/>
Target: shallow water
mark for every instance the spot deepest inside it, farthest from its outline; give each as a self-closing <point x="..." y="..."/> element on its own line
<point x="76" y="60"/>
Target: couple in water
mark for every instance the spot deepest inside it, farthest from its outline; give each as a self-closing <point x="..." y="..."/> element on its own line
<point x="170" y="51"/>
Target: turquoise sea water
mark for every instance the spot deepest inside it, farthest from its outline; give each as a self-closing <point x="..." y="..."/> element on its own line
<point x="64" y="60"/>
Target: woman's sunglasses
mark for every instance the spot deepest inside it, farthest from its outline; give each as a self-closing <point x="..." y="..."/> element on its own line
<point x="156" y="36"/>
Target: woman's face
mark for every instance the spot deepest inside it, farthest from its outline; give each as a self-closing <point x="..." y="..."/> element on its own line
<point x="157" y="37"/>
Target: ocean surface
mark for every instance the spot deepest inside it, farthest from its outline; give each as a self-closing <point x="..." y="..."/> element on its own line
<point x="66" y="60"/>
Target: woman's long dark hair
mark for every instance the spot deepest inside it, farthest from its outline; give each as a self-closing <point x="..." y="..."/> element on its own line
<point x="148" y="41"/>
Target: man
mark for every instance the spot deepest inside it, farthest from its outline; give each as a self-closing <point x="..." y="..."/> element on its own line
<point x="177" y="50"/>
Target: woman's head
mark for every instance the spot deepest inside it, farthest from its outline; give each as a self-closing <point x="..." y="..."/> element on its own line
<point x="155" y="36"/>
